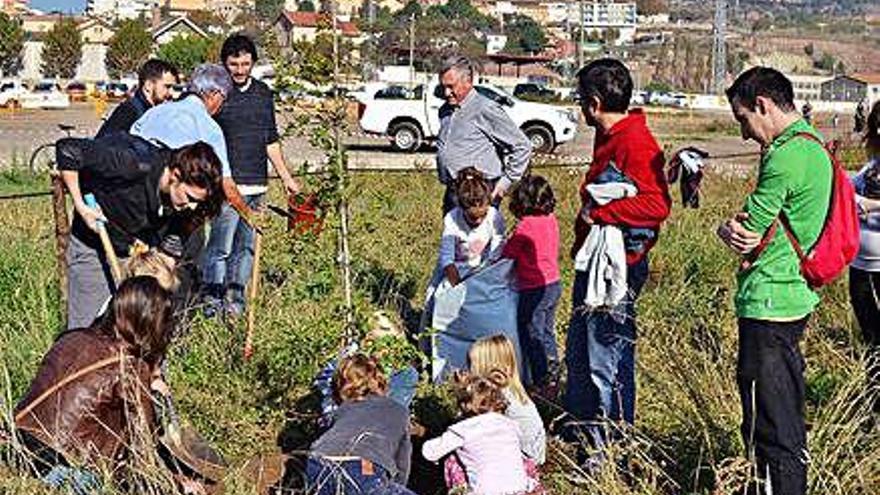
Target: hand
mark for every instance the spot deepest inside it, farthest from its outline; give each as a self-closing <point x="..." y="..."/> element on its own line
<point x="498" y="192"/>
<point x="258" y="219"/>
<point x="292" y="186"/>
<point x="90" y="215"/>
<point x="736" y="236"/>
<point x="158" y="385"/>
<point x="452" y="274"/>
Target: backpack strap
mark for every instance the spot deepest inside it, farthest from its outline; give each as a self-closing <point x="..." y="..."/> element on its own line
<point x="782" y="219"/>
<point x="64" y="381"/>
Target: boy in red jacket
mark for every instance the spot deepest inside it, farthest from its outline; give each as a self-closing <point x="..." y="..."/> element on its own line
<point x="601" y="342"/>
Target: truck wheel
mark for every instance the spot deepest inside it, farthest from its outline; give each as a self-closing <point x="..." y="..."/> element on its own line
<point x="405" y="136"/>
<point x="541" y="138"/>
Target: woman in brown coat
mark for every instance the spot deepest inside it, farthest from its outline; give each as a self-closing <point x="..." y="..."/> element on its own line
<point x="89" y="404"/>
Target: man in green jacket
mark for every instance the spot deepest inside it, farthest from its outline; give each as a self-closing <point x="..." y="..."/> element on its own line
<point x="773" y="301"/>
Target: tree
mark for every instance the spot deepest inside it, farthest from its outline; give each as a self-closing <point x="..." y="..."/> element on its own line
<point x="462" y="10"/>
<point x="187" y="52"/>
<point x="268" y="10"/>
<point x="524" y="35"/>
<point x="825" y="62"/>
<point x="11" y="45"/>
<point x="129" y="47"/>
<point x="62" y="50"/>
<point x="306" y="6"/>
<point x="809" y="49"/>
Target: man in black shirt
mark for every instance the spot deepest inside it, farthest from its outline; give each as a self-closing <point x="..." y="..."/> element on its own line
<point x="155" y="79"/>
<point x="140" y="188"/>
<point x="248" y="123"/>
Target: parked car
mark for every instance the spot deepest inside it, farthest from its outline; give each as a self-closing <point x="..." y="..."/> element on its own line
<point x="100" y="89"/>
<point x="410" y="122"/>
<point x="11" y="92"/>
<point x="76" y="91"/>
<point x="535" y="92"/>
<point x="118" y="90"/>
<point x="45" y="94"/>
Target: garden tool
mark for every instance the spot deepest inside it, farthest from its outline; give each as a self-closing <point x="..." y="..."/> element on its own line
<point x="115" y="269"/>
<point x="252" y="295"/>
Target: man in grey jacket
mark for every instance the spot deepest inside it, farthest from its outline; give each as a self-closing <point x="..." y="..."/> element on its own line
<point x="476" y="132"/>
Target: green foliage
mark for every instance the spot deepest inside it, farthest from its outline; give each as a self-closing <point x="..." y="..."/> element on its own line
<point x="268" y="10"/>
<point x="11" y="45"/>
<point x="825" y="62"/>
<point x="62" y="50"/>
<point x="129" y="47"/>
<point x="658" y="87"/>
<point x="524" y="35"/>
<point x="187" y="52"/>
<point x="463" y="10"/>
<point x="651" y="7"/>
<point x="306" y="6"/>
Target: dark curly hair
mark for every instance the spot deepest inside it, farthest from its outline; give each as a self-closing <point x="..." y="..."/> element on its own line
<point x="477" y="394"/>
<point x="199" y="166"/>
<point x="471" y="188"/>
<point x="532" y="196"/>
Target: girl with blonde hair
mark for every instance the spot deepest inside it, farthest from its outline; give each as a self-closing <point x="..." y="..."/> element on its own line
<point x="495" y="357"/>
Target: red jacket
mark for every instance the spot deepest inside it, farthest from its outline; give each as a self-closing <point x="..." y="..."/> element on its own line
<point x="631" y="147"/>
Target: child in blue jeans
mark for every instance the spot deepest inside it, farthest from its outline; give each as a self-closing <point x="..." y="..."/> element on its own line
<point x="534" y="247"/>
<point x="367" y="449"/>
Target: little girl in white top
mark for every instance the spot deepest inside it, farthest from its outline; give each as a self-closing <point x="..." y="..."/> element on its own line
<point x="473" y="231"/>
<point x="485" y="441"/>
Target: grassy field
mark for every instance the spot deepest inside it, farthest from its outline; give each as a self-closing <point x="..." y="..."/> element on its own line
<point x="687" y="435"/>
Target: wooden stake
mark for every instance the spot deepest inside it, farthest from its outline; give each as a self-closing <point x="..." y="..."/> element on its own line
<point x="62" y="234"/>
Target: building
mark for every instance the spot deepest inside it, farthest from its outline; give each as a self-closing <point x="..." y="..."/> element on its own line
<point x="599" y="17"/>
<point x="120" y="9"/>
<point x="15" y="7"/>
<point x="178" y="26"/>
<point x="807" y="87"/>
<point x="495" y="43"/>
<point x="853" y="88"/>
<point x="304" y="26"/>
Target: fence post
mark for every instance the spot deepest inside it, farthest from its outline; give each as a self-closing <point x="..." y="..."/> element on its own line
<point x="62" y="234"/>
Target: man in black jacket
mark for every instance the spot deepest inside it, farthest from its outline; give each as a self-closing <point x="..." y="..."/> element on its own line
<point x="155" y="79"/>
<point x="139" y="188"/>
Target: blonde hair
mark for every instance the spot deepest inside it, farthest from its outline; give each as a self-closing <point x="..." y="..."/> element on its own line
<point x="152" y="263"/>
<point x="357" y="377"/>
<point x="495" y="357"/>
<point x="383" y="325"/>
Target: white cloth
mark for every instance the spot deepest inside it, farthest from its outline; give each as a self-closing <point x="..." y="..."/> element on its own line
<point x="603" y="194"/>
<point x="532" y="437"/>
<point x="603" y="258"/>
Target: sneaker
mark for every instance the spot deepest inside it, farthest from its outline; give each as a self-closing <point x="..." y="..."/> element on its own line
<point x="233" y="310"/>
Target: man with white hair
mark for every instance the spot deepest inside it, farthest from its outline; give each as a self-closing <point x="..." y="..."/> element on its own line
<point x="190" y="120"/>
<point x="476" y="132"/>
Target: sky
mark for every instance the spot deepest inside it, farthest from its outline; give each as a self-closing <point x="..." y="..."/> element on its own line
<point x="67" y="6"/>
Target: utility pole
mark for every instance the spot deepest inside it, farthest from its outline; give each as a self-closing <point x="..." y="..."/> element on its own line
<point x="580" y="50"/>
<point x="412" y="49"/>
<point x="719" y="48"/>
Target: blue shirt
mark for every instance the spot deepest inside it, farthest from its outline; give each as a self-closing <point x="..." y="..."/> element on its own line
<point x="181" y="123"/>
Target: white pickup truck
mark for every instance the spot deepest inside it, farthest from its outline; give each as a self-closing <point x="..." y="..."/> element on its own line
<point x="411" y="117"/>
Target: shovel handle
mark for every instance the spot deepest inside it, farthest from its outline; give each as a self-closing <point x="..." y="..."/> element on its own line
<point x="252" y="296"/>
<point x="109" y="252"/>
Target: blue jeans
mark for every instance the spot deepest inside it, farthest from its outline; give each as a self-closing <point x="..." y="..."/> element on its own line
<point x="229" y="254"/>
<point x="77" y="481"/>
<point x="596" y="345"/>
<point x="351" y="477"/>
<point x="536" y="324"/>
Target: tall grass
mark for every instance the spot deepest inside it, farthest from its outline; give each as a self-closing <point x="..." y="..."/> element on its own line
<point x="686" y="438"/>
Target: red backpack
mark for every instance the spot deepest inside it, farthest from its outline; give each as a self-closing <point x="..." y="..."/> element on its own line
<point x="838" y="242"/>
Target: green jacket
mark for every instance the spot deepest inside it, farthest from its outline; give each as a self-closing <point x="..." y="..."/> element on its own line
<point x="795" y="177"/>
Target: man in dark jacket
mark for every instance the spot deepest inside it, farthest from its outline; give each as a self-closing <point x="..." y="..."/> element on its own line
<point x="139" y="188"/>
<point x="155" y="79"/>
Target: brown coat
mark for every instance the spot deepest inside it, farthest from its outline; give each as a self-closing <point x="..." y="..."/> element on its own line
<point x="92" y="418"/>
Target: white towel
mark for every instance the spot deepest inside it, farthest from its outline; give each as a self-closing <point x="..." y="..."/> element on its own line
<point x="603" y="258"/>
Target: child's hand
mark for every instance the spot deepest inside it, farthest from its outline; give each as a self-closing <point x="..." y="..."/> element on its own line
<point x="452" y="274"/>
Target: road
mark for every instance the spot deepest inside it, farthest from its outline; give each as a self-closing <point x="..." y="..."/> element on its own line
<point x="21" y="131"/>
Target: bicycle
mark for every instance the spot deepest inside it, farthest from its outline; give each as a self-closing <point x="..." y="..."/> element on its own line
<point x="43" y="158"/>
